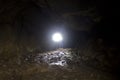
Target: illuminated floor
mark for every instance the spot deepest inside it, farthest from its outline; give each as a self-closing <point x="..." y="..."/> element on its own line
<point x="58" y="58"/>
<point x="53" y="65"/>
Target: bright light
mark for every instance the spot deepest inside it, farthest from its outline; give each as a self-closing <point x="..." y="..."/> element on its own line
<point x="57" y="37"/>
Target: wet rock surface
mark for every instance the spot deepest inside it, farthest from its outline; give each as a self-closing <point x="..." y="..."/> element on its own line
<point x="58" y="57"/>
<point x="61" y="64"/>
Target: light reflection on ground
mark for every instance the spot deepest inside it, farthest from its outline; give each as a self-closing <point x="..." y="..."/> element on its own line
<point x="58" y="57"/>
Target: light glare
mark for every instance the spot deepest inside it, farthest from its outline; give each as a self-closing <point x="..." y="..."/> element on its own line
<point x="57" y="37"/>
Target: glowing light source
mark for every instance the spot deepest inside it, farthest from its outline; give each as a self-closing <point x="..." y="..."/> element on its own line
<point x="57" y="37"/>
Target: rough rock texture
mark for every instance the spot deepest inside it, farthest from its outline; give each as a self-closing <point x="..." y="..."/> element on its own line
<point x="46" y="66"/>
